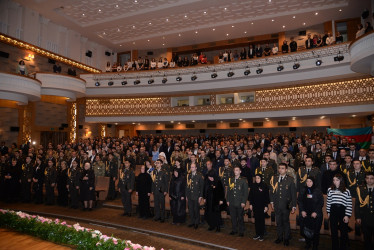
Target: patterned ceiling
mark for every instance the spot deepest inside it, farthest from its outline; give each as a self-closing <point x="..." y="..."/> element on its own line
<point x="134" y="23"/>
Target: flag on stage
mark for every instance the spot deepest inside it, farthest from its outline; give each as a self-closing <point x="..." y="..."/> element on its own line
<point x="361" y="135"/>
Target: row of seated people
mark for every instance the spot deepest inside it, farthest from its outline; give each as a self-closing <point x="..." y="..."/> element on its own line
<point x="163" y="175"/>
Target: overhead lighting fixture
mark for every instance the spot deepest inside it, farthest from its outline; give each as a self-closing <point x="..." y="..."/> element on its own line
<point x="214" y="74"/>
<point x="296" y="65"/>
<point x="99" y="10"/>
<point x="245" y="32"/>
<point x="97" y="84"/>
<point x="179" y="78"/>
<point x="150" y="81"/>
<point x="339" y="57"/>
<point x="272" y="20"/>
<point x="204" y="12"/>
<point x="354" y="115"/>
<point x="194" y="77"/>
<point x="259" y="70"/>
<point x="284" y="26"/>
<point x="316" y="13"/>
<point x="340" y="10"/>
<point x="133" y="123"/>
<point x="232" y="26"/>
<point x="230" y="74"/>
<point x="164" y="80"/>
<point x="213" y="29"/>
<point x="280" y="67"/>
<point x="185" y="16"/>
<point x="179" y="35"/>
<point x="124" y="83"/>
<point x="136" y="82"/>
<point x="167" y="19"/>
<point x="293" y="118"/>
<point x="193" y="121"/>
<point x="322" y="117"/>
<point x="179" y="123"/>
<point x="247" y="71"/>
<point x="116" y="6"/>
<point x="171" y="121"/>
<point x="240" y="119"/>
<point x="304" y="24"/>
<point x="318" y="62"/>
<point x="227" y="34"/>
<point x="150" y="23"/>
<point x="196" y="32"/>
<point x="294" y="17"/>
<point x="225" y="8"/>
<point x="135" y="1"/>
<point x="110" y="83"/>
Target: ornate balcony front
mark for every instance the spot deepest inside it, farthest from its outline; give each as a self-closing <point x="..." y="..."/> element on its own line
<point x="19" y="88"/>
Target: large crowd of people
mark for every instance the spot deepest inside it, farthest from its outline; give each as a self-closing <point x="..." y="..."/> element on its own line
<point x="217" y="173"/>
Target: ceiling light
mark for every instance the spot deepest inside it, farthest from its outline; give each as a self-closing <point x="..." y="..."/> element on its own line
<point x="196" y="32"/>
<point x="227" y="34"/>
<point x="284" y="26"/>
<point x="120" y="45"/>
<point x="110" y="83"/>
<point x="150" y="81"/>
<point x="193" y="121"/>
<point x="204" y="12"/>
<point x="194" y="77"/>
<point x="179" y="78"/>
<point x="293" y="118"/>
<point x="240" y="119"/>
<point x="247" y="71"/>
<point x="318" y="62"/>
<point x="97" y="84"/>
<point x="116" y="6"/>
<point x="225" y="8"/>
<point x="339" y="58"/>
<point x="354" y="115"/>
<point x="316" y="13"/>
<point x="272" y="20"/>
<point x="116" y="123"/>
<point x="171" y="121"/>
<point x="245" y="32"/>
<point x="136" y="82"/>
<point x="280" y="67"/>
<point x="296" y="65"/>
<point x="99" y="10"/>
<point x="135" y="1"/>
<point x="158" y="123"/>
<point x="133" y="26"/>
<point x="164" y="80"/>
<point x="83" y="14"/>
<point x="133" y="123"/>
<point x="118" y="30"/>
<point x="232" y="26"/>
<point x="213" y="29"/>
<point x="259" y="70"/>
<point x="179" y="122"/>
<point x="213" y="75"/>
<point x="294" y="17"/>
<point x="104" y="33"/>
<point x="124" y="83"/>
<point x="322" y="117"/>
<point x="304" y="24"/>
<point x="252" y="23"/>
<point x="150" y="23"/>
<point x="148" y="40"/>
<point x="185" y="16"/>
<point x="340" y="10"/>
<point x="163" y="44"/>
<point x="167" y="19"/>
<point x="230" y="74"/>
<point x="179" y="35"/>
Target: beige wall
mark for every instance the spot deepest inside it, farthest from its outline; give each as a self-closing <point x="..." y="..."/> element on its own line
<point x="8" y="118"/>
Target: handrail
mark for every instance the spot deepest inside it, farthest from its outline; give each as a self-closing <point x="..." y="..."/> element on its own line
<point x="61" y="74"/>
<point x="359" y="38"/>
<point x="28" y="77"/>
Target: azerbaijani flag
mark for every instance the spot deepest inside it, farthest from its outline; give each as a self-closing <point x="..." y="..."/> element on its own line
<point x="362" y="135"/>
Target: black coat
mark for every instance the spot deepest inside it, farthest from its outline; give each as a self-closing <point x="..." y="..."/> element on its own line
<point x="85" y="192"/>
<point x="327" y="178"/>
<point x="259" y="196"/>
<point x="143" y="184"/>
<point x="314" y="205"/>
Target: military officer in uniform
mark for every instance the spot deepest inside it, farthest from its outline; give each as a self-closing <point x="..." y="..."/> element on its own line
<point x="26" y="176"/>
<point x="308" y="171"/>
<point x="283" y="201"/>
<point x="234" y="160"/>
<point x="285" y="156"/>
<point x="237" y="195"/>
<point x="194" y="194"/>
<point x="112" y="172"/>
<point x="266" y="171"/>
<point x="126" y="185"/>
<point x="347" y="164"/>
<point x="364" y="210"/>
<point x="73" y="184"/>
<point x="355" y="178"/>
<point x="50" y="175"/>
<point x="300" y="158"/>
<point x="98" y="167"/>
<point x="159" y="189"/>
<point x="195" y="161"/>
<point x="225" y="172"/>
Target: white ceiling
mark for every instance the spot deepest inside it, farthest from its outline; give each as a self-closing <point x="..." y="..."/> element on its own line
<point x="149" y="24"/>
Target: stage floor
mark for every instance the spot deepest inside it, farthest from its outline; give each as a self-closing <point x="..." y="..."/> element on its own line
<point x="165" y="235"/>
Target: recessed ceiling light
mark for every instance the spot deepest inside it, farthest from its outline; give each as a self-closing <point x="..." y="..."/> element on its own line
<point x="163" y="44"/>
<point x="185" y="16"/>
<point x="233" y="26"/>
<point x="227" y="34"/>
<point x="196" y="32"/>
<point x="179" y="122"/>
<point x="294" y="17"/>
<point x="148" y="40"/>
<point x="158" y="123"/>
<point x="283" y="26"/>
<point x="322" y="117"/>
<point x="272" y="20"/>
<point x="354" y="115"/>
<point x="104" y="33"/>
<point x="304" y="24"/>
<point x="193" y="121"/>
<point x="116" y="6"/>
<point x="204" y="12"/>
<point x="245" y="32"/>
<point x="213" y="29"/>
<point x="133" y="123"/>
<point x="171" y="121"/>
<point x="167" y="19"/>
<point x="150" y="23"/>
<point x="135" y="1"/>
<point x="340" y="10"/>
<point x="99" y="10"/>
<point x="294" y="118"/>
<point x="252" y="23"/>
<point x="179" y="35"/>
<point x="120" y="45"/>
<point x="118" y="30"/>
<point x="133" y="42"/>
<point x="225" y="8"/>
<point x="83" y="14"/>
<point x="316" y="13"/>
<point x="133" y="26"/>
<point x="240" y="119"/>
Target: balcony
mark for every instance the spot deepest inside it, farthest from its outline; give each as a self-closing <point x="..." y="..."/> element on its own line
<point x="122" y="83"/>
<point x="21" y="89"/>
<point x="362" y="54"/>
<point x="62" y="85"/>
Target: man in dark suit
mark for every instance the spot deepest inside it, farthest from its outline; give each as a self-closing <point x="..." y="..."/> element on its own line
<point x="168" y="150"/>
<point x="353" y="152"/>
<point x="309" y="42"/>
<point x="259" y="51"/>
<point x="252" y="163"/>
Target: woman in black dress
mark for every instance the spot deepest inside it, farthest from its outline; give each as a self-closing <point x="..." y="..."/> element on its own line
<point x="38" y="181"/>
<point x="177" y="195"/>
<point x="87" y="186"/>
<point x="259" y="201"/>
<point x="62" y="178"/>
<point x="310" y="203"/>
<point x="214" y="198"/>
<point x="143" y="191"/>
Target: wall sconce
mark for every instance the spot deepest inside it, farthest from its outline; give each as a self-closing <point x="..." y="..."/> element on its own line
<point x="30" y="57"/>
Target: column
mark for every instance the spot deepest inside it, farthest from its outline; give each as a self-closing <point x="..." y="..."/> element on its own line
<point x="102" y="130"/>
<point x="72" y="121"/>
<point x="25" y="121"/>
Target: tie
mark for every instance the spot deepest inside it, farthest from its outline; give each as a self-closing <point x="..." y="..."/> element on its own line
<point x="281" y="179"/>
<point x="370" y="190"/>
<point x="263" y="169"/>
<point x="352" y="154"/>
<point x="308" y="171"/>
<point x="356" y="174"/>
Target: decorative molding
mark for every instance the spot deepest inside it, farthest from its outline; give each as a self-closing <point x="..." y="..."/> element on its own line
<point x="362" y="54"/>
<point x="46" y="53"/>
<point x="72" y="121"/>
<point x="340" y="93"/>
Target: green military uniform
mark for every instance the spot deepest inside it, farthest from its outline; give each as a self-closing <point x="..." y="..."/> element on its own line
<point x="283" y="198"/>
<point x="98" y="168"/>
<point x="345" y="168"/>
<point x="237" y="194"/>
<point x="126" y="183"/>
<point x="355" y="180"/>
<point x="198" y="167"/>
<point x="141" y="158"/>
<point x="368" y="167"/>
<point x="112" y="173"/>
<point x="26" y="176"/>
<point x="203" y="164"/>
<point x="159" y="187"/>
<point x="225" y="173"/>
<point x="73" y="182"/>
<point x="50" y="176"/>
<point x="130" y="159"/>
<point x="302" y="175"/>
<point x="266" y="173"/>
<point x="299" y="160"/>
<point x="364" y="210"/>
<point x="194" y="191"/>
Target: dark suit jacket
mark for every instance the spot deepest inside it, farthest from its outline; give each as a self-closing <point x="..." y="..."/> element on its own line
<point x="252" y="53"/>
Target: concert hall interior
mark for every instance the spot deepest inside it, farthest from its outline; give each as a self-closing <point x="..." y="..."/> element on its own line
<point x="187" y="124"/>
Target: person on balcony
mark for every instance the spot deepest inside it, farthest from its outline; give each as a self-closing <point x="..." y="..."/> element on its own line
<point x="330" y="40"/>
<point x="293" y="45"/>
<point x="21" y="68"/>
<point x="368" y="27"/>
